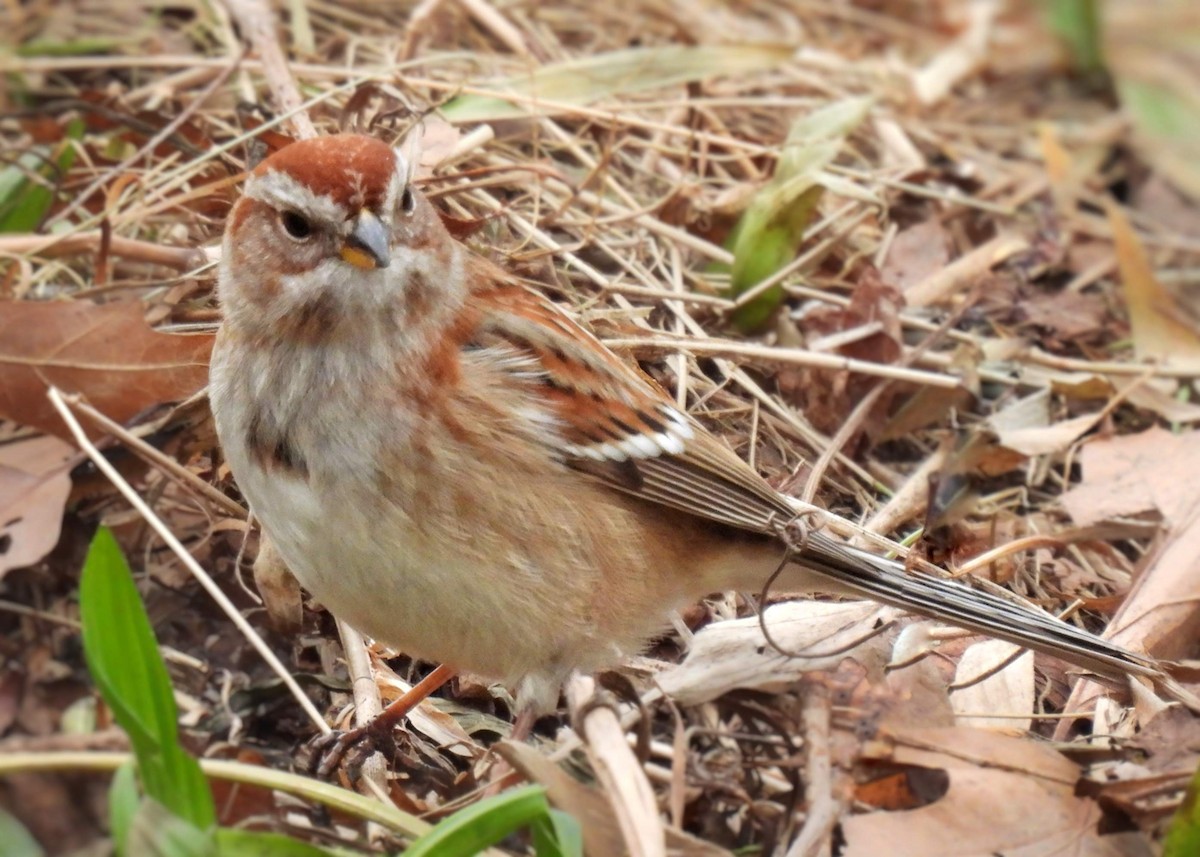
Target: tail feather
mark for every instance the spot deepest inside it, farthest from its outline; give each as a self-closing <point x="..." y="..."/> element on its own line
<point x="958" y="604"/>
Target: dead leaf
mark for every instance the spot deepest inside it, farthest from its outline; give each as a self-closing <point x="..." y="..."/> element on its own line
<point x="278" y="588"/>
<point x="106" y="352"/>
<point x="438" y="141"/>
<point x="916" y="254"/>
<point x="1007" y="796"/>
<point x="1025" y="427"/>
<point x="1138" y="473"/>
<point x="1068" y="315"/>
<point x="814" y="635"/>
<point x="1132" y="475"/>
<point x="1160" y="331"/>
<point x="34" y="485"/>
<point x="1008" y="691"/>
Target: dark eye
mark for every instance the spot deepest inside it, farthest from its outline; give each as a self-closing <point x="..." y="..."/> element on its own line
<point x="296" y="225"/>
<point x="408" y="203"/>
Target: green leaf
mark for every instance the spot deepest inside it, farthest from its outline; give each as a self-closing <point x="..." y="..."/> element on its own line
<point x="592" y="78"/>
<point x="769" y="232"/>
<point x="15" y="840"/>
<point x="123" y="799"/>
<point x="1183" y="838"/>
<point x="125" y="663"/>
<point x="248" y="843"/>
<point x="158" y="832"/>
<point x="1077" y="23"/>
<point x="24" y="200"/>
<point x="558" y="835"/>
<point x="470" y="830"/>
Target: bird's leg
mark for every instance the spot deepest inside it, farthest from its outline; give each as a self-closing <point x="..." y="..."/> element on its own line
<point x="523" y="725"/>
<point x="376" y="735"/>
<point x="502" y="773"/>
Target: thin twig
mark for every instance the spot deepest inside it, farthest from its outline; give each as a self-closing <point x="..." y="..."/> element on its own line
<point x="59" y="400"/>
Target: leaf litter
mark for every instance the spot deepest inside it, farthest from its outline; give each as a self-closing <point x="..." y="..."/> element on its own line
<point x="988" y="220"/>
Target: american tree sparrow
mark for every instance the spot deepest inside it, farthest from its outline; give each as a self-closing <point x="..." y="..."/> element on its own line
<point x="453" y="465"/>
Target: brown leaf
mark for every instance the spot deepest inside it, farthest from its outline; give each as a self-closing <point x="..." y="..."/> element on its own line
<point x="105" y="352"/>
<point x="1161" y="331"/>
<point x="1134" y="474"/>
<point x="918" y="253"/>
<point x="34" y="484"/>
<point x="280" y="591"/>
<point x="1007" y="795"/>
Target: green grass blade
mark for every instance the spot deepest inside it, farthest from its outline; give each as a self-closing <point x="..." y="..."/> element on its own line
<point x="158" y="832"/>
<point x="125" y="663"/>
<point x="15" y="840"/>
<point x="470" y="830"/>
<point x="1183" y="837"/>
<point x="592" y="78"/>
<point x="1077" y="23"/>
<point x="769" y="232"/>
<point x="24" y="201"/>
<point x="558" y="835"/>
<point x="123" y="799"/>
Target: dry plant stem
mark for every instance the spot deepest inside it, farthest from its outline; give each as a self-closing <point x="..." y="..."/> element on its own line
<point x="259" y="776"/>
<point x="367" y="705"/>
<point x="856" y="417"/>
<point x="795" y="356"/>
<point x="966" y="270"/>
<point x="618" y="770"/>
<point x="1072" y="364"/>
<point x="844" y="432"/>
<point x="151" y="144"/>
<point x="814" y="438"/>
<point x="258" y="24"/>
<point x="499" y="26"/>
<point x="164" y="462"/>
<point x="176" y="258"/>
<point x="417" y="18"/>
<point x="380" y="726"/>
<point x="911" y="499"/>
<point x="1000" y="551"/>
<point x="816" y="837"/>
<point x="59" y="400"/>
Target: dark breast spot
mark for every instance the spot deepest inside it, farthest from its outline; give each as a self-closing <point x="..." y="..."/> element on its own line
<point x="272" y="449"/>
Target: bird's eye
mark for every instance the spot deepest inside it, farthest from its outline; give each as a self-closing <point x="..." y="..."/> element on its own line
<point x="296" y="225"/>
<point x="408" y="202"/>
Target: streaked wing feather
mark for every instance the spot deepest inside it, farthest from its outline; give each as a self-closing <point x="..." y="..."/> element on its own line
<point x="617" y="426"/>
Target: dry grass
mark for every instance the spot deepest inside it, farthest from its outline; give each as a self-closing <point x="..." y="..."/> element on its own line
<point x="620" y="205"/>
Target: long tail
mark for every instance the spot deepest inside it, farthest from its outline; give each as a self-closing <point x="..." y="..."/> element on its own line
<point x="958" y="604"/>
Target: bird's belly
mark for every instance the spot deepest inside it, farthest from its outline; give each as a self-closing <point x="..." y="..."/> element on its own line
<point x="375" y="568"/>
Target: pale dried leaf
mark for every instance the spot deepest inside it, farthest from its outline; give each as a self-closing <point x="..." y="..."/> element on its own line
<point x="820" y="634"/>
<point x="590" y="78"/>
<point x="34" y="485"/>
<point x="1159" y="330"/>
<point x="1132" y="474"/>
<point x="916" y="254"/>
<point x="1150" y="471"/>
<point x="1008" y="691"/>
